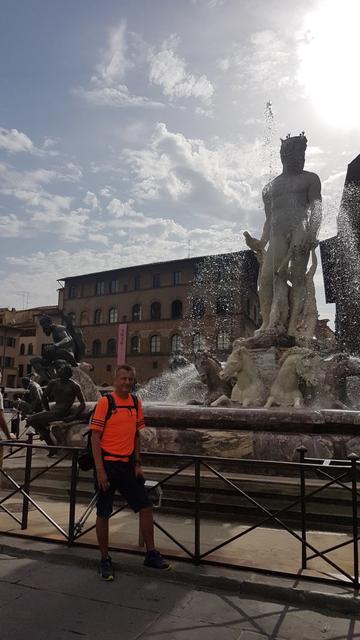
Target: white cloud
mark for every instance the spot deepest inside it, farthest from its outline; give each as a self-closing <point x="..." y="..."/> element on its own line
<point x="45" y="212"/>
<point x="106" y="192"/>
<point x="114" y="63"/>
<point x="119" y="209"/>
<point x="178" y="168"/>
<point x="211" y="4"/>
<point x="99" y="238"/>
<point x="15" y="141"/>
<point x="265" y="62"/>
<point x="10" y="226"/>
<point x="170" y="72"/>
<point x="91" y="200"/>
<point x="106" y="87"/>
<point x="163" y="241"/>
<point x="118" y="96"/>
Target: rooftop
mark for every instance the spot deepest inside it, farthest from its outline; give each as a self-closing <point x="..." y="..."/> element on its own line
<point x="155" y="264"/>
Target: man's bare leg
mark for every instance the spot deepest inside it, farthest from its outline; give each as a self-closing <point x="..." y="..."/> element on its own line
<point x="102" y="533"/>
<point x="273" y="290"/>
<point x="147" y="527"/>
<point x="298" y="273"/>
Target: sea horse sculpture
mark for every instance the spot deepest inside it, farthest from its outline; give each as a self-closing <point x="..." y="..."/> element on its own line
<point x="249" y="389"/>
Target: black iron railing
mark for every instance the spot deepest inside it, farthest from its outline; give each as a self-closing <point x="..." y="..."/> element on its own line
<point x="340" y="473"/>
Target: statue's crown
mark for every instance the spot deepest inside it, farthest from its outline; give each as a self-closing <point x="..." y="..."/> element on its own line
<point x="299" y="141"/>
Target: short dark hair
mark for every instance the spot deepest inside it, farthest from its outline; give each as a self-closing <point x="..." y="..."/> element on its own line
<point x="125" y="367"/>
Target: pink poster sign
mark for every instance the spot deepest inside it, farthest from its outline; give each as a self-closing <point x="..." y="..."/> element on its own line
<point x="121" y="345"/>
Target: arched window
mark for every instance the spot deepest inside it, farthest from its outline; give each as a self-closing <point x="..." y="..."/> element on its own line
<point x="111" y="347"/>
<point x="72" y="315"/>
<point x="155" y="311"/>
<point x="30" y="349"/>
<point x="113" y="315"/>
<point x="135" y="344"/>
<point x="176" y="309"/>
<point x="84" y="318"/>
<point x="176" y="343"/>
<point x="198" y="307"/>
<point x="155" y="344"/>
<point x="98" y="316"/>
<point x="22" y="349"/>
<point x="199" y="343"/>
<point x="136" y="312"/>
<point x="96" y="348"/>
<point x="100" y="288"/>
<point x="223" y="341"/>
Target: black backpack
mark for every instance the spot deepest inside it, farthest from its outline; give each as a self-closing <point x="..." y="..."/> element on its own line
<point x="86" y="459"/>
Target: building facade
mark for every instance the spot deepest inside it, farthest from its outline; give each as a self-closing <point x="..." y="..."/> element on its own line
<point x="341" y="264"/>
<point x="143" y="314"/>
<point x="9" y="346"/>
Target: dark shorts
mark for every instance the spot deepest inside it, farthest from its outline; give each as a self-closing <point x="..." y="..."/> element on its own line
<point x="122" y="479"/>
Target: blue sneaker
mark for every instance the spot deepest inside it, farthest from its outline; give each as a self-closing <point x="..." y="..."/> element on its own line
<point x="106" y="569"/>
<point x="155" y="560"/>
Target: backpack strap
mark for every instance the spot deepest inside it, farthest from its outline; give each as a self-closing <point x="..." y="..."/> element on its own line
<point x="135" y="400"/>
<point x="111" y="406"/>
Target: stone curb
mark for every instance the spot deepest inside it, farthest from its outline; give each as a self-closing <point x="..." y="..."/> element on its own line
<point x="249" y="584"/>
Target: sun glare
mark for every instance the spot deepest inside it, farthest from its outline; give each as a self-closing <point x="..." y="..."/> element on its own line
<point x="329" y="59"/>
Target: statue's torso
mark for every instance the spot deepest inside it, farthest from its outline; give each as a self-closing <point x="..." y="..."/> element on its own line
<point x="288" y="199"/>
<point x="64" y="393"/>
<point x="59" y="332"/>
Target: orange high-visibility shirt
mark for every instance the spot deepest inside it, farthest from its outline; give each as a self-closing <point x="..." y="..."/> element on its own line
<point x="120" y="430"/>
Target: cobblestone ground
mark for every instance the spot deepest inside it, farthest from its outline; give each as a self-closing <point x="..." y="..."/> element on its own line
<point x="55" y="602"/>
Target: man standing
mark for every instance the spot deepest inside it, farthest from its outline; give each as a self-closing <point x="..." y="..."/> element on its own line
<point x="3" y="426"/>
<point x="116" y="450"/>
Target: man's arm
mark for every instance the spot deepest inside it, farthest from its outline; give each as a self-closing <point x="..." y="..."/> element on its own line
<point x="3" y="425"/>
<point x="80" y="397"/>
<point x="265" y="236"/>
<point x="98" y="459"/>
<point x="47" y="394"/>
<point x="137" y="455"/>
<point x="97" y="427"/>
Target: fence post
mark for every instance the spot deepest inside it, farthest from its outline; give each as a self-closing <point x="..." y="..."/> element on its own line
<point x="72" y="506"/>
<point x="27" y="477"/>
<point x="197" y="511"/>
<point x="302" y="450"/>
<point x="354" y="459"/>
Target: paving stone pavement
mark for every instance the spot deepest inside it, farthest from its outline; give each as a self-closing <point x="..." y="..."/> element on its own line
<point x="56" y="602"/>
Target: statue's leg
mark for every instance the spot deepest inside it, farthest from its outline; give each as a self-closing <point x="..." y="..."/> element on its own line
<point x="279" y="273"/>
<point x="298" y="292"/>
<point x="266" y="291"/>
<point x="40" y="422"/>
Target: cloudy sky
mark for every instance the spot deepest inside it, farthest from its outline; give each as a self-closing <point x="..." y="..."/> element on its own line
<point x="133" y="131"/>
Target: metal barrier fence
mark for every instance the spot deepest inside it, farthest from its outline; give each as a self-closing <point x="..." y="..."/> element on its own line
<point x="346" y="473"/>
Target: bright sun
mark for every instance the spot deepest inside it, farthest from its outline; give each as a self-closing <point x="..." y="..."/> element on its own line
<point x="329" y="51"/>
